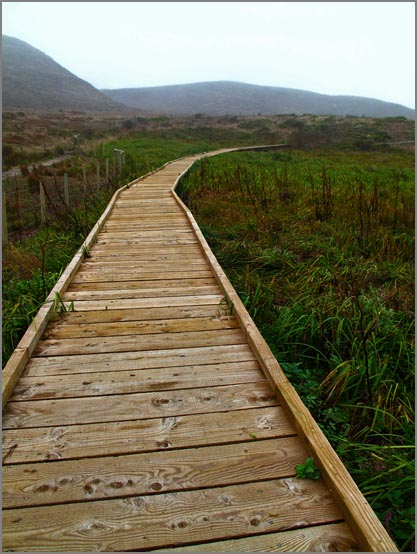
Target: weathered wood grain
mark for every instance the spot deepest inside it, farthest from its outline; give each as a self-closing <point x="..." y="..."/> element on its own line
<point x="171" y="519"/>
<point x="122" y="407"/>
<point x="134" y="303"/>
<point x="169" y="263"/>
<point x="336" y="537"/>
<point x="145" y="273"/>
<point x="28" y="445"/>
<point x="182" y="325"/>
<point x="127" y="289"/>
<point x="185" y="284"/>
<point x="130" y="381"/>
<point x="143" y="314"/>
<point x="146" y="359"/>
<point x="132" y="475"/>
<point x="134" y="343"/>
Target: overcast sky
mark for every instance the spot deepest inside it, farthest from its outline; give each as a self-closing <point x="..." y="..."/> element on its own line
<point x="358" y="48"/>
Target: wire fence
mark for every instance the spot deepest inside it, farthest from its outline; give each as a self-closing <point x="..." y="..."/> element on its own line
<point x="44" y="196"/>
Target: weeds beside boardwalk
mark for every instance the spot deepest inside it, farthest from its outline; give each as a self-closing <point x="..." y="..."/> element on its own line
<point x="320" y="246"/>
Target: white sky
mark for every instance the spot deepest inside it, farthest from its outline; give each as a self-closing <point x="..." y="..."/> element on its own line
<point x="358" y="48"/>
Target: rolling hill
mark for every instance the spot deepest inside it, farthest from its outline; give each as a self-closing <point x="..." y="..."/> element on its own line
<point x="233" y="98"/>
<point x="31" y="79"/>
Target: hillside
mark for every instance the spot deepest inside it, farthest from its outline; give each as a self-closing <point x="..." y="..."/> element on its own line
<point x="31" y="79"/>
<point x="228" y="97"/>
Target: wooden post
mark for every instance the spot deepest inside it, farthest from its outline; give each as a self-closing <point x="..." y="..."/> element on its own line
<point x="102" y="149"/>
<point x="43" y="202"/>
<point x="4" y="221"/>
<point x="98" y="175"/>
<point x="120" y="162"/>
<point x="84" y="179"/>
<point x="66" y="191"/>
<point x="107" y="171"/>
<point x="94" y="150"/>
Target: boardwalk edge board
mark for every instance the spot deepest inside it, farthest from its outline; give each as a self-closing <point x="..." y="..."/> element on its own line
<point x="366" y="527"/>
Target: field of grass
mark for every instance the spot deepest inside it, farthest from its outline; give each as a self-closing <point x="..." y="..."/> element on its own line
<point x="320" y="247"/>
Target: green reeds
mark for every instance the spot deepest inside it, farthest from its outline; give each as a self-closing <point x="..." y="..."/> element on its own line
<point x="320" y="245"/>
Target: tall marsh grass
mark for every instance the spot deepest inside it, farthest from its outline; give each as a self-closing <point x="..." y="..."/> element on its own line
<point x="320" y="246"/>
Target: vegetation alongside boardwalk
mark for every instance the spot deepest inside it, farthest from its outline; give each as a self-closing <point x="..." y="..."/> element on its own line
<point x="320" y="246"/>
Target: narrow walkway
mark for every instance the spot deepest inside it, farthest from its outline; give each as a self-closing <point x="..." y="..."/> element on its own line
<point x="154" y="417"/>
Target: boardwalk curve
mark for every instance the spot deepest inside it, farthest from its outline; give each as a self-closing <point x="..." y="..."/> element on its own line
<point x="154" y="416"/>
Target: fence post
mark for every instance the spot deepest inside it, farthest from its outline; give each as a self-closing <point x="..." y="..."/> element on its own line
<point x="66" y="191"/>
<point x="4" y="221"/>
<point x="107" y="170"/>
<point x="98" y="175"/>
<point x="43" y="202"/>
<point x="84" y="179"/>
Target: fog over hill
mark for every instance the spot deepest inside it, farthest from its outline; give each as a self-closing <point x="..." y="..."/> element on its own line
<point x="31" y="79"/>
<point x="233" y="98"/>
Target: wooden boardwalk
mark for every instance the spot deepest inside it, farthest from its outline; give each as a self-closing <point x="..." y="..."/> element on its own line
<point x="154" y="416"/>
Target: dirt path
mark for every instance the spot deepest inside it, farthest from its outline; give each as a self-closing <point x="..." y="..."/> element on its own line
<point x="15" y="171"/>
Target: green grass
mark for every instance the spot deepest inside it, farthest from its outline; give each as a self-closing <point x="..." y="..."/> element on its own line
<point x="320" y="247"/>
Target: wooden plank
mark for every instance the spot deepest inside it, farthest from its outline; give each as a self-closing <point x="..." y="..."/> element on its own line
<point x="138" y="206"/>
<point x="145" y="225"/>
<point x="139" y="234"/>
<point x="113" y="267"/>
<point x="132" y="381"/>
<point x="125" y="292"/>
<point x="136" y="275"/>
<point x="147" y="435"/>
<point x="147" y="274"/>
<point x="144" y="314"/>
<point x="170" y="519"/>
<point x="162" y="284"/>
<point x="147" y="250"/>
<point x="147" y="359"/>
<point x="135" y="303"/>
<point x="135" y="343"/>
<point x="161" y="241"/>
<point x="117" y="270"/>
<point x="141" y="250"/>
<point x="153" y="252"/>
<point x="335" y="537"/>
<point x="144" y="217"/>
<point x="145" y="235"/>
<point x="63" y="330"/>
<point x="132" y="475"/>
<point x="122" y="407"/>
<point x="141" y="257"/>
